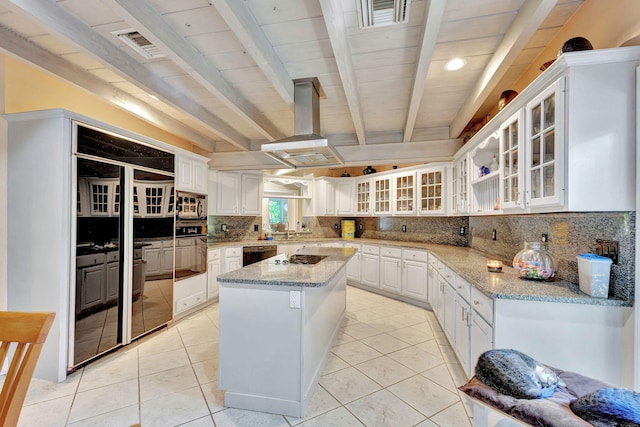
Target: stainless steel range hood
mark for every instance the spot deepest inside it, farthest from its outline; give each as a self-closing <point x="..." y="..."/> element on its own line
<point x="307" y="148"/>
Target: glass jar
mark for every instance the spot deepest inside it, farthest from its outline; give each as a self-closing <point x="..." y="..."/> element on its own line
<point x="535" y="262"/>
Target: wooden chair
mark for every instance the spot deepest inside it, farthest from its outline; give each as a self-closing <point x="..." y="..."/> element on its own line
<point x="27" y="331"/>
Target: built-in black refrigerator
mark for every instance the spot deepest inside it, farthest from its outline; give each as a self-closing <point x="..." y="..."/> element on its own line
<point x="125" y="225"/>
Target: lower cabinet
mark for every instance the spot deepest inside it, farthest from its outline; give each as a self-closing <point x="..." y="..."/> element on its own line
<point x="465" y="314"/>
<point x="213" y="270"/>
<point x="189" y="294"/>
<point x="415" y="274"/>
<point x="390" y="269"/>
<point x="370" y="266"/>
<point x="113" y="276"/>
<point x="231" y="258"/>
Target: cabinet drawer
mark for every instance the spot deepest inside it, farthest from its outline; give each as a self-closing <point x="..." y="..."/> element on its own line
<point x="213" y="254"/>
<point x="482" y="304"/>
<point x="433" y="261"/>
<point x="391" y="252"/>
<point x="167" y="243"/>
<point x="370" y="249"/>
<point x="185" y="241"/>
<point x="233" y="251"/>
<point x="410" y="254"/>
<point x="463" y="288"/>
<point x="87" y="260"/>
<point x="447" y="273"/>
<point x="190" y="301"/>
<point x="113" y="256"/>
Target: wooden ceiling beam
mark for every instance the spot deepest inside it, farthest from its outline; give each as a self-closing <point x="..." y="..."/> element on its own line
<point x="525" y="24"/>
<point x="56" y="19"/>
<point x="247" y="30"/>
<point x="339" y="37"/>
<point x="434" y="11"/>
<point x="146" y="19"/>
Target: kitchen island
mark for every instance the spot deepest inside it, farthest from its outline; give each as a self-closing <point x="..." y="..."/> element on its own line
<point x="278" y="321"/>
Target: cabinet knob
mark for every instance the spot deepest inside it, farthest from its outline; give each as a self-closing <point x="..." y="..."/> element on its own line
<point x="476" y="302"/>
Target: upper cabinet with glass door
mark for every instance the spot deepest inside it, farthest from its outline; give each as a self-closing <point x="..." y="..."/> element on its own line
<point x="567" y="141"/>
<point x="460" y="184"/>
<point x="431" y="186"/>
<point x="511" y="190"/>
<point x="363" y="196"/>
<point x="404" y="193"/>
<point x="544" y="142"/>
<point x="382" y="195"/>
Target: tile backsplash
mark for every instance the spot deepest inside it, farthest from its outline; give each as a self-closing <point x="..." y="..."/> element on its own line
<point x="568" y="234"/>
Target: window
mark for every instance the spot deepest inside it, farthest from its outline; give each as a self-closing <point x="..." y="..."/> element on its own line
<point x="278" y="211"/>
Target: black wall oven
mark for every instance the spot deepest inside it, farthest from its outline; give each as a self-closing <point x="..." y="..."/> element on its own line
<point x="191" y="235"/>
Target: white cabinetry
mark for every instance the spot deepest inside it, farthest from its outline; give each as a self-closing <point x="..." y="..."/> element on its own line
<point x="544" y="140"/>
<point x="325" y="197"/>
<point x="370" y="262"/>
<point x="213" y="271"/>
<point x="511" y="187"/>
<point x="345" y="191"/>
<point x="404" y="193"/>
<point x="191" y="173"/>
<point x="251" y="194"/>
<point x="460" y="184"/>
<point x="363" y="196"/>
<point x="484" y="174"/>
<point x="231" y="258"/>
<point x="238" y="193"/>
<point x="415" y="274"/>
<point x="431" y="195"/>
<point x="556" y="139"/>
<point x="382" y="195"/>
<point x="390" y="269"/>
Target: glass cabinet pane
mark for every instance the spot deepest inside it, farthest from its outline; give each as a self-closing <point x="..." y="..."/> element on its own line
<point x="549" y="146"/>
<point x="549" y="112"/>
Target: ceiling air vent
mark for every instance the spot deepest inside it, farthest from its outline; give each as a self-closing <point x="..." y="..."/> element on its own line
<point x="378" y="13"/>
<point x="139" y="43"/>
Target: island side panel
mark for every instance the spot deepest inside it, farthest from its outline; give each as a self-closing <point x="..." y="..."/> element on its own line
<point x="324" y="311"/>
<point x="582" y="338"/>
<point x="260" y="348"/>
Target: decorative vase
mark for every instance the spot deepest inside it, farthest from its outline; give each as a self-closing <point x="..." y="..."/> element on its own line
<point x="535" y="262"/>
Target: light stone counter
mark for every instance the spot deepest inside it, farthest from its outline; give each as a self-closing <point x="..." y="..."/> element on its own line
<point x="268" y="272"/>
<point x="470" y="264"/>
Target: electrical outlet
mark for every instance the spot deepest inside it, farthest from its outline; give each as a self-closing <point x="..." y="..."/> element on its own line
<point x="404" y="228"/>
<point x="335" y="226"/>
<point x="545" y="237"/>
<point x="463" y="231"/>
<point x="223" y="227"/>
<point x="494" y="235"/>
<point x="607" y="248"/>
<point x="360" y="227"/>
<point x="255" y="227"/>
<point x="294" y="299"/>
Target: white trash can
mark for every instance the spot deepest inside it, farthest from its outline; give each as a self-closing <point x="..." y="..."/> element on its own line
<point x="593" y="274"/>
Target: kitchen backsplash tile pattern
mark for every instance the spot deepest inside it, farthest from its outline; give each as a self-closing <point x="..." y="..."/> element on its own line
<point x="569" y="234"/>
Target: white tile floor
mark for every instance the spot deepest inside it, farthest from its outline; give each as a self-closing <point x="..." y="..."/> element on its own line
<point x="391" y="366"/>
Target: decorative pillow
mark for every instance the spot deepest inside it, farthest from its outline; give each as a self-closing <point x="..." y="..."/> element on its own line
<point x="515" y="374"/>
<point x="609" y="407"/>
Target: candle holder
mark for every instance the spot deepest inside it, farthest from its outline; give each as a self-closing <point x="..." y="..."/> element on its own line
<point x="494" y="266"/>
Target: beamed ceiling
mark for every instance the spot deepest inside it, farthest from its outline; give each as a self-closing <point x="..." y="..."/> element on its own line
<point x="224" y="78"/>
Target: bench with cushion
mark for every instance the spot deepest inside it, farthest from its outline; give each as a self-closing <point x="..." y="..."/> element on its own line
<point x="595" y="401"/>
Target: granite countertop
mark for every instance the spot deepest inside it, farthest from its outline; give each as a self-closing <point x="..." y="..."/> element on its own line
<point x="267" y="272"/>
<point x="471" y="265"/>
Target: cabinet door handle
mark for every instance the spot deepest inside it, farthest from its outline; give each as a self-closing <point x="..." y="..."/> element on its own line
<point x="476" y="302"/>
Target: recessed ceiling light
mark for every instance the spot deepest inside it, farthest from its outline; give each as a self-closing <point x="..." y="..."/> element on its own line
<point x="455" y="64"/>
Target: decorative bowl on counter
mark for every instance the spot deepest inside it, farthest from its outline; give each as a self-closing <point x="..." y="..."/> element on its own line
<point x="535" y="262"/>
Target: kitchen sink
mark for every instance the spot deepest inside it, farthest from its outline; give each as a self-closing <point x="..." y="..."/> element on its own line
<point x="306" y="259"/>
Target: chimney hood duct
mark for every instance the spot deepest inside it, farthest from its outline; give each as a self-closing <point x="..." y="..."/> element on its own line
<point x="307" y="148"/>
